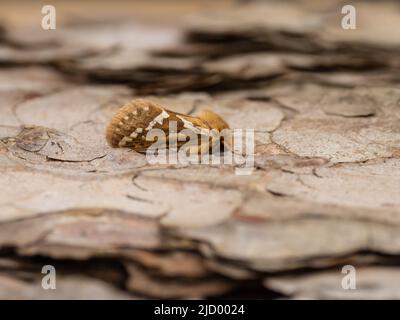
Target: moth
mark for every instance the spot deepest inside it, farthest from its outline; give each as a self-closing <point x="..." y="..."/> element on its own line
<point x="130" y="126"/>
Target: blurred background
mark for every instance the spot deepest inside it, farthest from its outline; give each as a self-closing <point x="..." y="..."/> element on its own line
<point x="28" y="13"/>
<point x="319" y="215"/>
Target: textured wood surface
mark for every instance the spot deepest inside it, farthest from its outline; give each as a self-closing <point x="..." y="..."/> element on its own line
<point x="325" y="106"/>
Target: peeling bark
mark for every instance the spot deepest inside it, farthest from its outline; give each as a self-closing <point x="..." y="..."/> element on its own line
<point x="325" y="107"/>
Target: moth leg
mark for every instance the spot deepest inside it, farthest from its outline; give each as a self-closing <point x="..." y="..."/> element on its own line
<point x="211" y="147"/>
<point x="204" y="148"/>
<point x="235" y="144"/>
<point x="229" y="141"/>
<point x="215" y="146"/>
<point x="201" y="149"/>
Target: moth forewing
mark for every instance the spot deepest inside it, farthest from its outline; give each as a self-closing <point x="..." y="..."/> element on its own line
<point x="129" y="124"/>
<point x="131" y="127"/>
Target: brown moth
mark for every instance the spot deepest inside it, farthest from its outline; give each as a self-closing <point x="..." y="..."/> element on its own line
<point x="131" y="124"/>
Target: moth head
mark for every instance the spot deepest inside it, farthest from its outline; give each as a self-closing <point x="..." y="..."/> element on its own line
<point x="213" y="120"/>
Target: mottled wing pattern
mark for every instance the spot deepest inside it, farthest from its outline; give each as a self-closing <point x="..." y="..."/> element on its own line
<point x="130" y="125"/>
